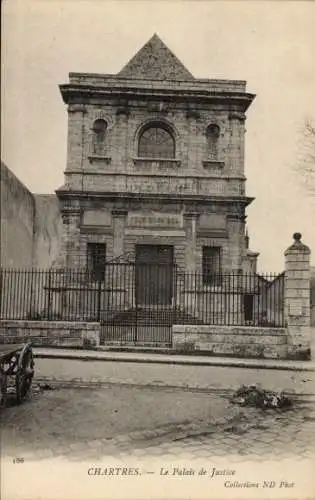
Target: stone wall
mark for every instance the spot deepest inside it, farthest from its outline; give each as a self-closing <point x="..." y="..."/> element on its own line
<point x="30" y="225"/>
<point x="48" y="228"/>
<point x="50" y="333"/>
<point x="236" y="341"/>
<point x="17" y="222"/>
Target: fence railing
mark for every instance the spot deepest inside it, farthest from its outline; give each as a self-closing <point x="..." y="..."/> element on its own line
<point x="233" y="298"/>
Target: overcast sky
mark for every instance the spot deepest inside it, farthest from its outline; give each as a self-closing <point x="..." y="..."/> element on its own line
<point x="269" y="44"/>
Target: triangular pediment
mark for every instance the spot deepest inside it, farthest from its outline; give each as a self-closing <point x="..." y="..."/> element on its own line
<point x="155" y="61"/>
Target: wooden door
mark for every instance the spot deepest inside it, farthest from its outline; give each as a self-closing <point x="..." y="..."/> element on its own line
<point x="154" y="274"/>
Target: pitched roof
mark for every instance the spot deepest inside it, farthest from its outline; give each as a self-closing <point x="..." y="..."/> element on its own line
<point x="155" y="61"/>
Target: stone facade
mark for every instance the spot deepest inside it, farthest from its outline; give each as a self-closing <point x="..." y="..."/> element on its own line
<point x="190" y="199"/>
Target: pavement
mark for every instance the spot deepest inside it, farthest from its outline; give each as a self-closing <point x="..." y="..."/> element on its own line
<point x="81" y="409"/>
<point x="169" y="358"/>
<point x="90" y="424"/>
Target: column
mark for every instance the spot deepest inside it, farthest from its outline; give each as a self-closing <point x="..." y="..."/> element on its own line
<point x="297" y="299"/>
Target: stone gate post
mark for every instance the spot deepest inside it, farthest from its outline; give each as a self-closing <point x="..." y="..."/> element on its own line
<point x="297" y="299"/>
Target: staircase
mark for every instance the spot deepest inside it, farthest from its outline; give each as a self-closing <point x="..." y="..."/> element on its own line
<point x="143" y="326"/>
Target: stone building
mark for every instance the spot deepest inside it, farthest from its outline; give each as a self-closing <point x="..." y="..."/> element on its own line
<point x="155" y="167"/>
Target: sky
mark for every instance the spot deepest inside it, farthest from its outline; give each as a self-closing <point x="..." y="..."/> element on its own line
<point x="271" y="45"/>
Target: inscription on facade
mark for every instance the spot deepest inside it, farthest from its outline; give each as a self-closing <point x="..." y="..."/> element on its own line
<point x="175" y="185"/>
<point x="155" y="220"/>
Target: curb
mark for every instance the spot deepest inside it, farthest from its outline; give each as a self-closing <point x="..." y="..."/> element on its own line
<point x="55" y="383"/>
<point x="253" y="364"/>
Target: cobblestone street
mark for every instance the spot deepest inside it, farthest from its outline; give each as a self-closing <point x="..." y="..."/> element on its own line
<point x="123" y="409"/>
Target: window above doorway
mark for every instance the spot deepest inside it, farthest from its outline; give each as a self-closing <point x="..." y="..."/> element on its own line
<point x="156" y="141"/>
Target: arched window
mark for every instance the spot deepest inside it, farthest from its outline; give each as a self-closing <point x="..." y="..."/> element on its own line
<point x="213" y="134"/>
<point x="156" y="142"/>
<point x="99" y="134"/>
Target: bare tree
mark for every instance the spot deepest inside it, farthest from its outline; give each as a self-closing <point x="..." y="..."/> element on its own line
<point x="306" y="158"/>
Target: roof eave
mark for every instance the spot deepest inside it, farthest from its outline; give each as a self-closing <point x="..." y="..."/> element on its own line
<point x="69" y="91"/>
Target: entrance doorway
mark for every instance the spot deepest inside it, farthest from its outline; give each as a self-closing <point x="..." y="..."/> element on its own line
<point x="154" y="274"/>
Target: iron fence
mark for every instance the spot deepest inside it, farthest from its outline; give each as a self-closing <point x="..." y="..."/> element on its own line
<point x="142" y="301"/>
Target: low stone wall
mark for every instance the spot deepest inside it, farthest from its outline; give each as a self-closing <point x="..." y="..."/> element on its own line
<point x="236" y="341"/>
<point x="50" y="333"/>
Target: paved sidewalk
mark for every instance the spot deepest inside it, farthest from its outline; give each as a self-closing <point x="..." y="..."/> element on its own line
<point x="206" y="378"/>
<point x="89" y="424"/>
<point x="176" y="359"/>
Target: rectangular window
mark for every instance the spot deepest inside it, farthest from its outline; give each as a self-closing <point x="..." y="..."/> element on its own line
<point x="248" y="307"/>
<point x="96" y="258"/>
<point x="211" y="265"/>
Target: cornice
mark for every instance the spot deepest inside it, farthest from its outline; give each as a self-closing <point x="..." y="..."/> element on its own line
<point x="86" y="92"/>
<point x="176" y="198"/>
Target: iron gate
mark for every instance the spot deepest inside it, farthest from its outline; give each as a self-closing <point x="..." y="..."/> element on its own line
<point x="140" y="304"/>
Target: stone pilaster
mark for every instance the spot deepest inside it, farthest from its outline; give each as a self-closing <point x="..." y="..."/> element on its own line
<point x="119" y="295"/>
<point x="76" y="113"/>
<point x="190" y="223"/>
<point x="192" y="117"/>
<point x="297" y="299"/>
<point x="237" y="121"/>
<point x="119" y="221"/>
<point x="235" y="225"/>
<point x="69" y="255"/>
